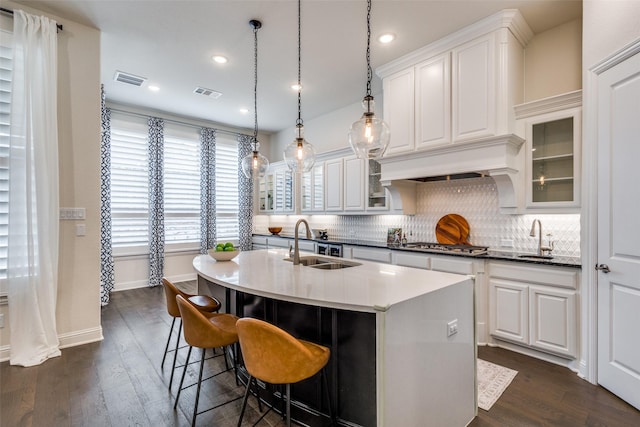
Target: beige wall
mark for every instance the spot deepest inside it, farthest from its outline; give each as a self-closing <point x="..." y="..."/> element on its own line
<point x="609" y="25"/>
<point x="327" y="132"/>
<point x="78" y="309"/>
<point x="553" y="62"/>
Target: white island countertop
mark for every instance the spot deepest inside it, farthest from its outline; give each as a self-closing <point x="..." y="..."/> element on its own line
<point x="369" y="287"/>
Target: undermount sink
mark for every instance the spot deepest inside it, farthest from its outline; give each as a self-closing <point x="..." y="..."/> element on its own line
<point x="324" y="263"/>
<point x="535" y="256"/>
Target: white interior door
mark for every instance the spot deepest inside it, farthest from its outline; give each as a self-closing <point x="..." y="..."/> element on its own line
<point x="619" y="229"/>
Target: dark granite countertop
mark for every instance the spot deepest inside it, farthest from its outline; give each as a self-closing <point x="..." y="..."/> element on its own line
<point x="560" y="261"/>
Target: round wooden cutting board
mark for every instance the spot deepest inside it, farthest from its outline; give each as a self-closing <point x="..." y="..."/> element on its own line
<point x="452" y="229"/>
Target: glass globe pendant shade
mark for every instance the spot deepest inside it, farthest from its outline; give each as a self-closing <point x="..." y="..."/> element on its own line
<point x="369" y="136"/>
<point x="255" y="165"/>
<point x="300" y="155"/>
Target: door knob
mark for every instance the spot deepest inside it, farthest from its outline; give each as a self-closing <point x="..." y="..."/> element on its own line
<point x="603" y="267"/>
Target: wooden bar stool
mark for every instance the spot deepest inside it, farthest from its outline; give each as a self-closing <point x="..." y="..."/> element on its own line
<point x="202" y="302"/>
<point x="274" y="356"/>
<point x="205" y="330"/>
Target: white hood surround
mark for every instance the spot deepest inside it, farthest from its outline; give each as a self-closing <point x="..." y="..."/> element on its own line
<point x="501" y="158"/>
<point x="450" y="106"/>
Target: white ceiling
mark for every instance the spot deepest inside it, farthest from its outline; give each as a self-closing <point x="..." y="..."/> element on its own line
<point x="171" y="43"/>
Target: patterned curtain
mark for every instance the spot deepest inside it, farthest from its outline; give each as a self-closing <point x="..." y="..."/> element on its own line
<point x="107" y="279"/>
<point x="156" y="201"/>
<point x="245" y="190"/>
<point x="207" y="189"/>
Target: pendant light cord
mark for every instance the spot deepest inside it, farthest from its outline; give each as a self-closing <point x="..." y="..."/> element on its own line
<point x="255" y="86"/>
<point x="299" y="121"/>
<point x="369" y="72"/>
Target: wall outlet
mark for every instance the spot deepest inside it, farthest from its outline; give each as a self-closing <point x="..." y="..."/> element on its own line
<point x="1" y="320"/>
<point x="506" y="243"/>
<point x="452" y="327"/>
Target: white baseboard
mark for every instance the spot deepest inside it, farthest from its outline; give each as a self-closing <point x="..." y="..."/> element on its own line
<point x="137" y="284"/>
<point x="125" y="286"/>
<point x="567" y="363"/>
<point x="85" y="336"/>
<point x="183" y="277"/>
<point x="69" y="339"/>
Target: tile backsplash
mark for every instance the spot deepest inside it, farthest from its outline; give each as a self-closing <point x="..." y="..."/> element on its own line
<point x="476" y="199"/>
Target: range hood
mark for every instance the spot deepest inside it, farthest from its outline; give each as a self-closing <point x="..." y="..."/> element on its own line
<point x="500" y="157"/>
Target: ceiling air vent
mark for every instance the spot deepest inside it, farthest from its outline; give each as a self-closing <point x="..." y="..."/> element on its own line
<point x="128" y="78"/>
<point x="207" y="92"/>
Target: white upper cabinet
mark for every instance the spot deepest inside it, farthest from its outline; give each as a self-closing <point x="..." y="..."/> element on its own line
<point x="377" y="198"/>
<point x="312" y="189"/>
<point x="276" y="192"/>
<point x="399" y="110"/>
<point x="334" y="185"/>
<point x="284" y="200"/>
<point x="433" y="101"/>
<point x="552" y="129"/>
<point x="318" y="188"/>
<point x="354" y="191"/>
<point x="474" y="90"/>
<point x="460" y="88"/>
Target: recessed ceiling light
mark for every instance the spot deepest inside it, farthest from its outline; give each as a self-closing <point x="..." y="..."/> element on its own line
<point x="387" y="38"/>
<point x="296" y="87"/>
<point x="220" y="59"/>
<point x="154" y="88"/>
<point x="244" y="110"/>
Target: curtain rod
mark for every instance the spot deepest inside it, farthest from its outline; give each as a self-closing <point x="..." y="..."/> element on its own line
<point x="177" y="122"/>
<point x="10" y="12"/>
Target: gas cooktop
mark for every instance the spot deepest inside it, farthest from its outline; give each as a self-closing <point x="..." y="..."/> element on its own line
<point x="441" y="247"/>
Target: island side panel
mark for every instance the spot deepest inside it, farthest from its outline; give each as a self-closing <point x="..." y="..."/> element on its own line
<point x="428" y="378"/>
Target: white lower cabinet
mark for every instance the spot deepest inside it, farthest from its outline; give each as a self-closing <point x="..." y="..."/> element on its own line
<point x="259" y="242"/>
<point x="509" y="317"/>
<point x="408" y="259"/>
<point x="264" y="242"/>
<point x="369" y="254"/>
<point x="534" y="307"/>
<point x="552" y="317"/>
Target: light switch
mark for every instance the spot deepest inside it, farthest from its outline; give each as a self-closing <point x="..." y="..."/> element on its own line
<point x="81" y="229"/>
<point x="72" y="213"/>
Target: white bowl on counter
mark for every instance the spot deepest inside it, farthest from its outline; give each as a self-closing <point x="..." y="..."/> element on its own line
<point x="223" y="255"/>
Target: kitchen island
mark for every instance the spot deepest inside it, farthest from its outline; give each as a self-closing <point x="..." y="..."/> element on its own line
<point x="402" y="340"/>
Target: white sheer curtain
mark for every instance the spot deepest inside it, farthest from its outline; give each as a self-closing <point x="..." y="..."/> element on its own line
<point x="32" y="264"/>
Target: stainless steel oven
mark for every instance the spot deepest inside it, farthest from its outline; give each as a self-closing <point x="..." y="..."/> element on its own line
<point x="329" y="249"/>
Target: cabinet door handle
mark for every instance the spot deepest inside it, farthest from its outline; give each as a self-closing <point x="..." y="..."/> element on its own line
<point x="603" y="267"/>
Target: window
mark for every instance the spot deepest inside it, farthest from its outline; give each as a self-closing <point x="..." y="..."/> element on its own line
<point x="130" y="186"/>
<point x="227" y="188"/>
<point x="181" y="185"/>
<point x="5" y="100"/>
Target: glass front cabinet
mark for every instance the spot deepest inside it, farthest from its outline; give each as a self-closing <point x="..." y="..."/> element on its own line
<point x="265" y="194"/>
<point x="376" y="194"/>
<point x="312" y="189"/>
<point x="553" y="141"/>
<point x="284" y="191"/>
<point x="276" y="192"/>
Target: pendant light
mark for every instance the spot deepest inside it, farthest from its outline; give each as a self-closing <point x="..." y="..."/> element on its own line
<point x="255" y="164"/>
<point x="369" y="136"/>
<point x="299" y="154"/>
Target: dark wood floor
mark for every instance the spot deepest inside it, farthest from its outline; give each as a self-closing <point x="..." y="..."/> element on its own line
<point x="118" y="382"/>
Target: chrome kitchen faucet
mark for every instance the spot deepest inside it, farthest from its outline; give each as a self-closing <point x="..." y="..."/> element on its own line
<point x="296" y="250"/>
<point x="541" y="249"/>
